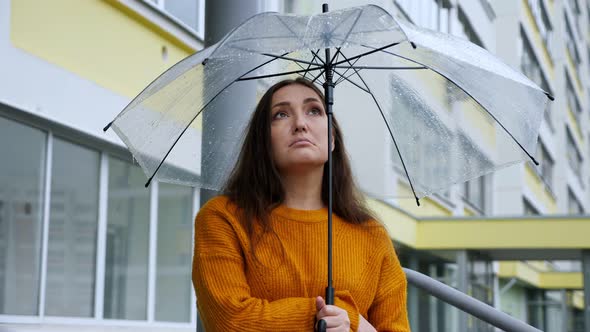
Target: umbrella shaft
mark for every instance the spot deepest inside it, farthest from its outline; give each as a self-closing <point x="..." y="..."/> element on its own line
<point x="329" y="100"/>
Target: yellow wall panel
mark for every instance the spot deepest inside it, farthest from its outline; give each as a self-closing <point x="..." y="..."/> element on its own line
<point x="482" y="123"/>
<point x="509" y="233"/>
<point x="401" y="227"/>
<point x="541" y="279"/>
<point x="535" y="185"/>
<point x="427" y="208"/>
<point x="95" y="40"/>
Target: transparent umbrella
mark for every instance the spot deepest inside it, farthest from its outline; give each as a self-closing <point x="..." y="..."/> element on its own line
<point x="438" y="109"/>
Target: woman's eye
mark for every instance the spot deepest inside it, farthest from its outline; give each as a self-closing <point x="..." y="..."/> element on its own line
<point x="315" y="111"/>
<point x="280" y="115"/>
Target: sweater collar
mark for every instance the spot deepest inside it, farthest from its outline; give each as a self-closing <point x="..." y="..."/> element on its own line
<point x="301" y="215"/>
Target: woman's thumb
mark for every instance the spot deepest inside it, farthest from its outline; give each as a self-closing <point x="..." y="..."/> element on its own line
<point x="319" y="303"/>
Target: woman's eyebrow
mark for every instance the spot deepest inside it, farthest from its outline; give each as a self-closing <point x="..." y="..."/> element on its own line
<point x="305" y="101"/>
<point x="283" y="103"/>
<point x="311" y="99"/>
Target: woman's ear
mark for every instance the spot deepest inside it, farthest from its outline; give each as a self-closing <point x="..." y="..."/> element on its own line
<point x="333" y="143"/>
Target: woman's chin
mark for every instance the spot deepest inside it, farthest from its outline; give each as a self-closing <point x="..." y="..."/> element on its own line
<point x="303" y="165"/>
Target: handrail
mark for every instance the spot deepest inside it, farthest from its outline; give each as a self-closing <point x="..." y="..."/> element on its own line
<point x="467" y="303"/>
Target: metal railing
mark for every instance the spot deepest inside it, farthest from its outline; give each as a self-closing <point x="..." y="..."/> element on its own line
<point x="466" y="303"/>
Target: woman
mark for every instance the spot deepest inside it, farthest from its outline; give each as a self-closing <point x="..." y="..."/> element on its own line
<point x="260" y="249"/>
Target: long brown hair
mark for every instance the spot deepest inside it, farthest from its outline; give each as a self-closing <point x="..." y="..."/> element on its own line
<point x="255" y="185"/>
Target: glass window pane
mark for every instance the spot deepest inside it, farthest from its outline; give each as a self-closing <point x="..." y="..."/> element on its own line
<point x="126" y="264"/>
<point x="71" y="253"/>
<point x="173" y="269"/>
<point x="22" y="179"/>
<point x="186" y="11"/>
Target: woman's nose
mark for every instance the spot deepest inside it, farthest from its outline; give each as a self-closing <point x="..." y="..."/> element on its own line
<point x="300" y="123"/>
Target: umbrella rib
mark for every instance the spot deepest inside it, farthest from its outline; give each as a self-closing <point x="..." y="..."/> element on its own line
<point x="347" y="69"/>
<point x="364" y="54"/>
<point x="274" y="56"/>
<point x="306" y="69"/>
<point x="343" y="78"/>
<point x="241" y="78"/>
<point x="312" y="59"/>
<point x="373" y="67"/>
<point x="390" y="132"/>
<point x="335" y="57"/>
<point x="474" y="99"/>
<point x="319" y="75"/>
<point x="318" y="57"/>
<point x="289" y="58"/>
<point x="323" y="63"/>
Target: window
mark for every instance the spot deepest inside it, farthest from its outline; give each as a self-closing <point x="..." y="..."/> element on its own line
<point x="189" y="12"/>
<point x="22" y="178"/>
<point x="71" y="253"/>
<point x="546" y="163"/>
<point x="475" y="193"/>
<point x="71" y="257"/>
<point x="173" y="271"/>
<point x="570" y="41"/>
<point x="468" y="30"/>
<point x="573" y="204"/>
<point x="126" y="269"/>
<point x="574" y="157"/>
<point x="577" y="12"/>
<point x="528" y="208"/>
<point x="427" y="14"/>
<point x="544" y="309"/>
<point x="572" y="99"/>
<point x="542" y="21"/>
<point x="529" y="65"/>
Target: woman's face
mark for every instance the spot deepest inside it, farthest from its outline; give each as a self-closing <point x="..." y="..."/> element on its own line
<point x="298" y="129"/>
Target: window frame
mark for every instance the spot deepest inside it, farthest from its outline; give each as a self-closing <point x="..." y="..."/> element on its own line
<point x="160" y="5"/>
<point x="106" y="150"/>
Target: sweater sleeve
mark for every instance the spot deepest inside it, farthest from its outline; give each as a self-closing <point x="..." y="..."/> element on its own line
<point x="388" y="312"/>
<point x="223" y="295"/>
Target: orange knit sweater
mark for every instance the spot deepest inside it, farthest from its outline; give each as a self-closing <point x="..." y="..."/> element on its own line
<point x="236" y="293"/>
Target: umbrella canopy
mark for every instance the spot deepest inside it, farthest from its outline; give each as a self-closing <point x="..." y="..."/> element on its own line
<point x="440" y="109"/>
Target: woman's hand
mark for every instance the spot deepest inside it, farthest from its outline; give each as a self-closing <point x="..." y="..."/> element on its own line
<point x="364" y="325"/>
<point x="336" y="318"/>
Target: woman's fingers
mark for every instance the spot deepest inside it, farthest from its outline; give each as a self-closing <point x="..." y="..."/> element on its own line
<point x="336" y="318"/>
<point x="330" y="310"/>
<point x="336" y="322"/>
<point x="319" y="303"/>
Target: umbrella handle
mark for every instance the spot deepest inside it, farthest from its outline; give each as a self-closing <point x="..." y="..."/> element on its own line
<point x="321" y="326"/>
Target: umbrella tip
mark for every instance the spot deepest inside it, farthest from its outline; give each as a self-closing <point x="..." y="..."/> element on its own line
<point x="550" y="96"/>
<point x="148" y="182"/>
<point x="324" y="8"/>
<point x="107" y="126"/>
<point x="205" y="61"/>
<point x="535" y="161"/>
<point x="413" y="45"/>
<point x="417" y="201"/>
